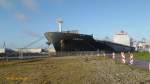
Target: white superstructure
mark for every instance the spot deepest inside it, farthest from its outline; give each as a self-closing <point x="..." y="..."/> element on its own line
<point x="122" y="38"/>
<point x="59" y="21"/>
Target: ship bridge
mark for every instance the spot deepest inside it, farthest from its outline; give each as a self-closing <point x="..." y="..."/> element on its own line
<point x="113" y="47"/>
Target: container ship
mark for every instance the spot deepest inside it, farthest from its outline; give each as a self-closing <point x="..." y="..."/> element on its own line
<point x="68" y="41"/>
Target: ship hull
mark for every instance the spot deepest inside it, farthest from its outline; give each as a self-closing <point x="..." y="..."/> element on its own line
<point x="80" y="42"/>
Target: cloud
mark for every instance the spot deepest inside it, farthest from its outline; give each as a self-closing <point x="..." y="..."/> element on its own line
<point x="6" y="4"/>
<point x="3" y="3"/>
<point x="31" y="33"/>
<point x="30" y="4"/>
<point x="9" y="4"/>
<point x="21" y="17"/>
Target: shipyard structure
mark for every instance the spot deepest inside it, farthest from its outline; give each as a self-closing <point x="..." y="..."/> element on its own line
<point x="68" y="41"/>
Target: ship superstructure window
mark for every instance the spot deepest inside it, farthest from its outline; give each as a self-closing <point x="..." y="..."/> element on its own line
<point x="77" y="39"/>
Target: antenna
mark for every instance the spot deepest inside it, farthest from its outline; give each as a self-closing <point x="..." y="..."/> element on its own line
<point x="59" y="21"/>
<point x="4" y="45"/>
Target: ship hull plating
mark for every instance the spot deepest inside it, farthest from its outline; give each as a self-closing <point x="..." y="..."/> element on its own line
<point x="80" y="42"/>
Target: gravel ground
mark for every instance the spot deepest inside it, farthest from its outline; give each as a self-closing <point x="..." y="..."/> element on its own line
<point x="72" y="70"/>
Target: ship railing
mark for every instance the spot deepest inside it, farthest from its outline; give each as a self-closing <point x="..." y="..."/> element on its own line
<point x="72" y="31"/>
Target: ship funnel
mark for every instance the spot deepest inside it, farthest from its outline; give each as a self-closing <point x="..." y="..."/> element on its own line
<point x="59" y="21"/>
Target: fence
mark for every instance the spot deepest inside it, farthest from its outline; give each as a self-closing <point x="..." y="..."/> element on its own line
<point x="125" y="57"/>
<point x="77" y="53"/>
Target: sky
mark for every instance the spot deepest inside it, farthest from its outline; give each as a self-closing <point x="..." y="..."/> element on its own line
<point x="25" y="21"/>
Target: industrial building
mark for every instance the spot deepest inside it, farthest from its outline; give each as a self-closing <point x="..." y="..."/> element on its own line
<point x="28" y="50"/>
<point x="143" y="46"/>
<point x="2" y="50"/>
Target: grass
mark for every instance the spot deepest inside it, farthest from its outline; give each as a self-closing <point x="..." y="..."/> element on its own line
<point x="142" y="56"/>
<point x="71" y="70"/>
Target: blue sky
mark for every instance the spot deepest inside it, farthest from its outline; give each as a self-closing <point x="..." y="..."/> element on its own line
<point x="24" y="21"/>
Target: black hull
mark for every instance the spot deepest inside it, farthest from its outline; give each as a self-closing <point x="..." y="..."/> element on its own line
<point x="80" y="42"/>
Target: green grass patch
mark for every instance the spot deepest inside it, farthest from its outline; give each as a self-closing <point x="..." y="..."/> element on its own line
<point x="142" y="56"/>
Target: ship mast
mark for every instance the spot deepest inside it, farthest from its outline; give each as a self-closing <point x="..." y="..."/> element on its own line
<point x="59" y="21"/>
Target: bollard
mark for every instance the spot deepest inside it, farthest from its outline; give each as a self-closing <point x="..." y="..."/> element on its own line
<point x="131" y="58"/>
<point x="123" y="57"/>
<point x="149" y="66"/>
<point x="104" y="54"/>
<point x="98" y="54"/>
<point x="113" y="55"/>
